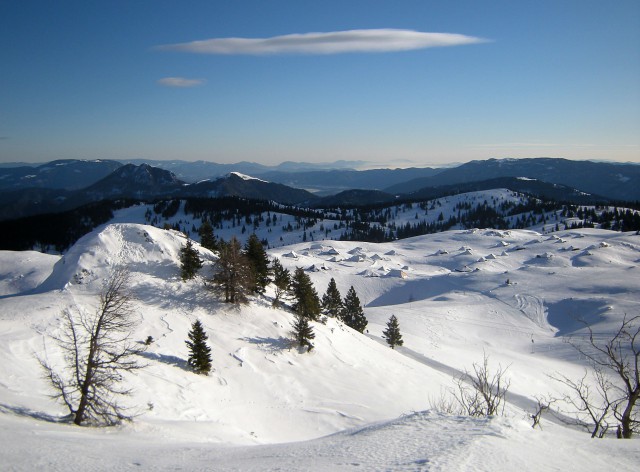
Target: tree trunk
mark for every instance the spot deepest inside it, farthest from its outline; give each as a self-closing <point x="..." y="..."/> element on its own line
<point x="88" y="377"/>
<point x="84" y="392"/>
<point x="625" y="419"/>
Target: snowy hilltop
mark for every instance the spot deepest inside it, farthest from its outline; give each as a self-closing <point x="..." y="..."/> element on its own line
<point x="351" y="403"/>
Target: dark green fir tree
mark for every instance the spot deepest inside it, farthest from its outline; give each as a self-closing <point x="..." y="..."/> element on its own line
<point x="392" y="333"/>
<point x="259" y="261"/>
<point x="303" y="332"/>
<point x="307" y="302"/>
<point x="352" y="313"/>
<point x="199" y="352"/>
<point x="281" y="280"/>
<point x="207" y="238"/>
<point x="332" y="300"/>
<point x="190" y="261"/>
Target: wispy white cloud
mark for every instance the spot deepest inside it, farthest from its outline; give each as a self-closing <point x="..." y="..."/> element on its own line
<point x="369" y="40"/>
<point x="180" y="82"/>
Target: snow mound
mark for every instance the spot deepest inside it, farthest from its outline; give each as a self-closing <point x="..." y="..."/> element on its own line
<point x="138" y="248"/>
<point x="24" y="271"/>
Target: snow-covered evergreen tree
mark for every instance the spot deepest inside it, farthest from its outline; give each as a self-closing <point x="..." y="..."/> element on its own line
<point x="332" y="300"/>
<point x="199" y="352"/>
<point x="303" y="332"/>
<point x="190" y="261"/>
<point x="352" y="313"/>
<point x="392" y="333"/>
<point x="281" y="280"/>
<point x="259" y="261"/>
<point x="307" y="302"/>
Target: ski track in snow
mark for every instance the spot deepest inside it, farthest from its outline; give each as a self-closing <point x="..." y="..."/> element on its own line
<point x="533" y="308"/>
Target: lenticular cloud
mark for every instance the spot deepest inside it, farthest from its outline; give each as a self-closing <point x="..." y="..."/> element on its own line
<point x="180" y="82"/>
<point x="338" y="42"/>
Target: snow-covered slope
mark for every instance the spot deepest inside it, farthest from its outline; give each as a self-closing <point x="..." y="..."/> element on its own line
<point x="511" y="294"/>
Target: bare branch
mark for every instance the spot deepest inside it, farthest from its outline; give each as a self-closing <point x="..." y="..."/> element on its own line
<point x="482" y="393"/>
<point x="97" y="350"/>
<point x="620" y="357"/>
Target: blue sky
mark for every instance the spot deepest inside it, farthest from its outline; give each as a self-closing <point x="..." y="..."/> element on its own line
<point x="127" y="79"/>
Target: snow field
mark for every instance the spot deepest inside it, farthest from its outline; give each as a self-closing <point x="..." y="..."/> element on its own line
<point x="346" y="399"/>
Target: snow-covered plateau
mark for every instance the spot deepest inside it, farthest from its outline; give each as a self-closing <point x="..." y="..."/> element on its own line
<point x="352" y="403"/>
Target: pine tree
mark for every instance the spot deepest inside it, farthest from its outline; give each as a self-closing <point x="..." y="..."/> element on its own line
<point x="190" y="261"/>
<point x="281" y="279"/>
<point x="303" y="332"/>
<point x="332" y="300"/>
<point x="207" y="238"/>
<point x="259" y="261"/>
<point x="352" y="313"/>
<point x="200" y="354"/>
<point x="307" y="303"/>
<point x="233" y="276"/>
<point x="392" y="333"/>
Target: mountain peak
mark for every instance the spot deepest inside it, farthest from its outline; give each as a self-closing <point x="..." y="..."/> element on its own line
<point x="136" y="180"/>
<point x="243" y="176"/>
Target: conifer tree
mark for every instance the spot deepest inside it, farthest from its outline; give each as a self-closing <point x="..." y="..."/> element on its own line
<point x="259" y="261"/>
<point x="199" y="352"/>
<point x="392" y="333"/>
<point x="233" y="277"/>
<point x="307" y="302"/>
<point x="190" y="261"/>
<point x="332" y="300"/>
<point x="303" y="332"/>
<point x="352" y="313"/>
<point x="281" y="280"/>
<point x="207" y="238"/>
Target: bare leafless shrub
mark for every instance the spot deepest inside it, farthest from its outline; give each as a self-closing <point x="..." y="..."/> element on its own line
<point x="614" y="389"/>
<point x="482" y="392"/>
<point x="445" y="403"/>
<point x="589" y="401"/>
<point x="543" y="404"/>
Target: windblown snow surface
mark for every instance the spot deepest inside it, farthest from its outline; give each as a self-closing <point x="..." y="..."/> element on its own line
<point x="350" y="404"/>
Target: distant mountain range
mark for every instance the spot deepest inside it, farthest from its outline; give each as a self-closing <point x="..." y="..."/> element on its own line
<point x="67" y="174"/>
<point x="610" y="180"/>
<point x="73" y="174"/>
<point x="64" y="185"/>
<point x="144" y="182"/>
<point x="543" y="190"/>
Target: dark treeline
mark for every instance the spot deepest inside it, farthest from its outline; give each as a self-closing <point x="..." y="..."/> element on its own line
<point x="56" y="231"/>
<point x="372" y="223"/>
